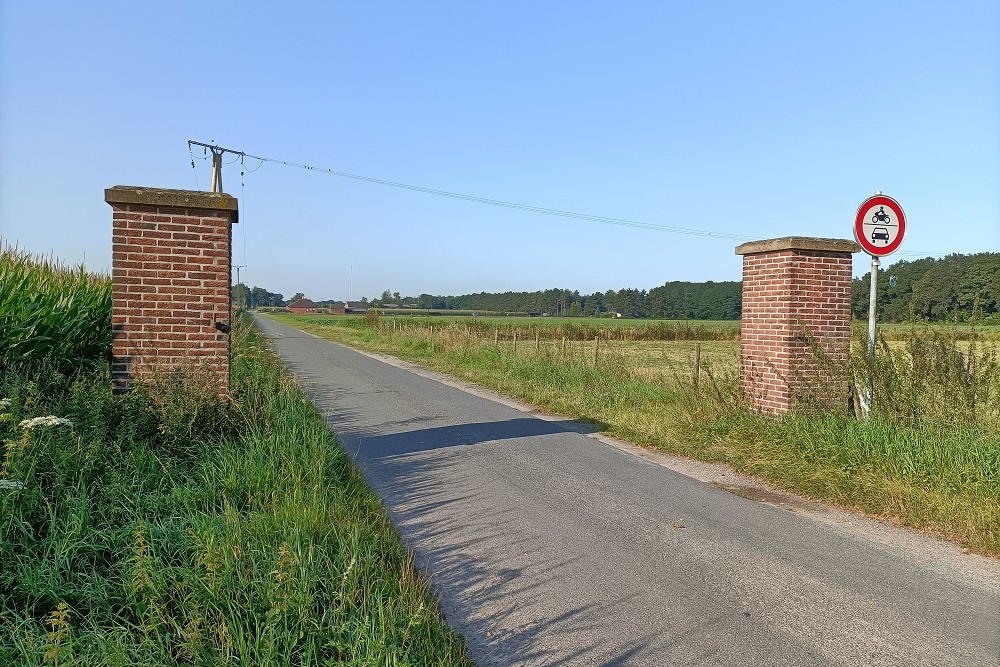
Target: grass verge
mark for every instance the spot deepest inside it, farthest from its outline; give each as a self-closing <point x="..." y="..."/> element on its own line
<point x="165" y="527"/>
<point x="940" y="474"/>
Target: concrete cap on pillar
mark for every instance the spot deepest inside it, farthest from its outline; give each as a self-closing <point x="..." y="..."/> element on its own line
<point x="798" y="243"/>
<point x="133" y="194"/>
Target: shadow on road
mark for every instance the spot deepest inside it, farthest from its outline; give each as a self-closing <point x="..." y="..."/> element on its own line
<point x="509" y="615"/>
<point x="460" y="435"/>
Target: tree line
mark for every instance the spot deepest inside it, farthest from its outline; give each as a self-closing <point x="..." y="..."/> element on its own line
<point x="953" y="288"/>
<point x="673" y="300"/>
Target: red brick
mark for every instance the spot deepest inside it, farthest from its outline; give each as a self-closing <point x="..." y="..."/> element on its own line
<point x="170" y="274"/>
<point x="782" y="293"/>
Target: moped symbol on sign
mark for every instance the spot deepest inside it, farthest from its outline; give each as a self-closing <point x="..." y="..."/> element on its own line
<point x="879" y="225"/>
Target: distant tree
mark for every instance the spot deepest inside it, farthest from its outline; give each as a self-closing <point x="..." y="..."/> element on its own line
<point x="258" y="297"/>
<point x="241" y="295"/>
<point x="296" y="297"/>
<point x="955" y="288"/>
<point x="595" y="304"/>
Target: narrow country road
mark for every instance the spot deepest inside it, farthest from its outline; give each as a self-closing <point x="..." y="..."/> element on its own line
<point x="548" y="546"/>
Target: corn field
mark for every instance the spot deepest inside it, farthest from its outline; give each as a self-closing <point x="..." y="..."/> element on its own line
<point x="51" y="311"/>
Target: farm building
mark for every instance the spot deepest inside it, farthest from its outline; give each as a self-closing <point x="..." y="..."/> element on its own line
<point x="337" y="309"/>
<point x="301" y="307"/>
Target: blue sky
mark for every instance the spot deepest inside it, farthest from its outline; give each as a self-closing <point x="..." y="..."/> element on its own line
<point x="758" y="119"/>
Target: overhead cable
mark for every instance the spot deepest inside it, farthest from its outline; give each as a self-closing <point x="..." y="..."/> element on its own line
<point x="496" y="202"/>
<point x="513" y="205"/>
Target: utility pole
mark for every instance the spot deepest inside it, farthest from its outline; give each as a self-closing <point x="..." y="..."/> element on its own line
<point x="243" y="293"/>
<point x="217" y="152"/>
<point x="217" y="169"/>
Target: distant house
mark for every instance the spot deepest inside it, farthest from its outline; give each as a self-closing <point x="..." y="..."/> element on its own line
<point x="301" y="307"/>
<point x="337" y="309"/>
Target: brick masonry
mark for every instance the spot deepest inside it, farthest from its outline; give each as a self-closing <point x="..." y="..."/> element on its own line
<point x="171" y="272"/>
<point x="795" y="331"/>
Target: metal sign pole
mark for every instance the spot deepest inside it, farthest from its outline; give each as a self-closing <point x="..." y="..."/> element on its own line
<point x="871" y="330"/>
<point x="879" y="226"/>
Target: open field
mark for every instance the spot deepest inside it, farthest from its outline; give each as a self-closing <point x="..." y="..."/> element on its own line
<point x="585" y="328"/>
<point x="650" y="347"/>
<point x="545" y="328"/>
<point x="449" y="317"/>
<point x="929" y="456"/>
<point x="989" y="332"/>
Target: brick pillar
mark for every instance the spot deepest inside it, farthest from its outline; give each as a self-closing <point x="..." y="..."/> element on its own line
<point x="171" y="271"/>
<point x="795" y="330"/>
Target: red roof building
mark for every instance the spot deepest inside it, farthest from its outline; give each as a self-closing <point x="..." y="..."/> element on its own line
<point x="301" y="307"/>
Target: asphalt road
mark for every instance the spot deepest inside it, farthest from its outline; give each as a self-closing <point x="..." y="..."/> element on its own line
<point x="548" y="546"/>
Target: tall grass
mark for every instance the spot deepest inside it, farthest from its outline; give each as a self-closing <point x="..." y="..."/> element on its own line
<point x="928" y="455"/>
<point x="167" y="526"/>
<point x="657" y="330"/>
<point x="936" y="376"/>
<point x="50" y="311"/>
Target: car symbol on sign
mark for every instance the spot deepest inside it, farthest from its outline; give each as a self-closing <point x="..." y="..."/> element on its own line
<point x="880" y="233"/>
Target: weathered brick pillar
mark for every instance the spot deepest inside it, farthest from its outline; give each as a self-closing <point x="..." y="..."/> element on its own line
<point x="171" y="271"/>
<point x="795" y="331"/>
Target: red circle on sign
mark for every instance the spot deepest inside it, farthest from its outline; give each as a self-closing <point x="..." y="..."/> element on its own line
<point x="859" y="225"/>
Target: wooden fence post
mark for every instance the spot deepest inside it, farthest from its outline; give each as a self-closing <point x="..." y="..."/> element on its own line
<point x="697" y="364"/>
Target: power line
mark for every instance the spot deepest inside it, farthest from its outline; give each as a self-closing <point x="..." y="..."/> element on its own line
<point x="920" y="253"/>
<point x="493" y="202"/>
<point x="506" y="204"/>
<point x="196" y="184"/>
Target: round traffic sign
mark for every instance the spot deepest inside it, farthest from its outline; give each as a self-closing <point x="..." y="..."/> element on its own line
<point x="879" y="225"/>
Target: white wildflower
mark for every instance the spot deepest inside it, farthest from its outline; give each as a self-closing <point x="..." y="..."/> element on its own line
<point x="51" y="420"/>
<point x="4" y="404"/>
